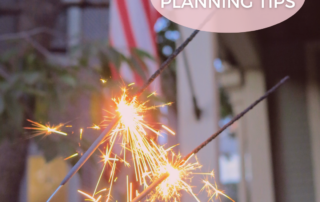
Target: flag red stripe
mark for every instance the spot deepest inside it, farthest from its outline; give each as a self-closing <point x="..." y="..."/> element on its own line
<point x="122" y="8"/>
<point x="151" y="21"/>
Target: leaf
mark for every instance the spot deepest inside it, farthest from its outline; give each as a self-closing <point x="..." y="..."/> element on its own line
<point x="41" y="108"/>
<point x="31" y="58"/>
<point x="33" y="91"/>
<point x="7" y="55"/>
<point x="49" y="148"/>
<point x="115" y="57"/>
<point x="137" y="67"/>
<point x="142" y="54"/>
<point x="15" y="112"/>
<point x="84" y="60"/>
<point x="31" y="77"/>
<point x="2" y="105"/>
<point x="68" y="79"/>
<point x="105" y="66"/>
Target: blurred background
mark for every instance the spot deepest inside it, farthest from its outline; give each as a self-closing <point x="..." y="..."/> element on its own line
<point x="62" y="61"/>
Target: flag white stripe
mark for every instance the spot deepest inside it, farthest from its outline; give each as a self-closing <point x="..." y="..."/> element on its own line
<point x="119" y="41"/>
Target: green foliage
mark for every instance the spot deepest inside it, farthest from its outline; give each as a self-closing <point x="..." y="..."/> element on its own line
<point x="225" y="106"/>
<point x="169" y="76"/>
<point x="32" y="87"/>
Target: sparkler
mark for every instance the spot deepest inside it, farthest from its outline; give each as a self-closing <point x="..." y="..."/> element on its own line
<point x="177" y="179"/>
<point x="132" y="131"/>
<point x="87" y="154"/>
<point x="44" y="129"/>
<point x="196" y="150"/>
<point x="108" y="130"/>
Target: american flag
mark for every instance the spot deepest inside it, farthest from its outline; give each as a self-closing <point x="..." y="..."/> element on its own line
<point x="132" y="26"/>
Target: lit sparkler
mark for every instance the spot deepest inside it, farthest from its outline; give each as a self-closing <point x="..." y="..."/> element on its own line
<point x="179" y="176"/>
<point x="116" y="119"/>
<point x="40" y="129"/>
<point x="164" y="176"/>
<point x="150" y="160"/>
<point x="133" y="131"/>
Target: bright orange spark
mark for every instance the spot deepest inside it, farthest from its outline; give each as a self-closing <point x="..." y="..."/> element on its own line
<point x="81" y="131"/>
<point x="179" y="174"/>
<point x="168" y="129"/>
<point x="96" y="127"/>
<point x="213" y="191"/>
<point x="44" y="129"/>
<point x="91" y="198"/>
<point x="73" y="155"/>
<point x="102" y="190"/>
<point x="154" y="93"/>
<point x="103" y="80"/>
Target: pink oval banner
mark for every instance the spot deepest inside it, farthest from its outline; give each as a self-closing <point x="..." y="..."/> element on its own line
<point x="227" y="16"/>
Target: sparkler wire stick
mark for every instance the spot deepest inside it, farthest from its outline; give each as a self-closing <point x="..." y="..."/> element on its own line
<point x="87" y="154"/>
<point x="114" y="122"/>
<point x="197" y="149"/>
<point x="166" y="63"/>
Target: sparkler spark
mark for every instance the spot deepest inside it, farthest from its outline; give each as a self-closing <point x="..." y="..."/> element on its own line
<point x="73" y="155"/>
<point x="81" y="131"/>
<point x="154" y="93"/>
<point x="45" y="130"/>
<point x="180" y="173"/>
<point x="213" y="191"/>
<point x="88" y="196"/>
<point x="96" y="127"/>
<point x="103" y="80"/>
<point x="132" y="130"/>
<point x="168" y="129"/>
<point x="134" y="134"/>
